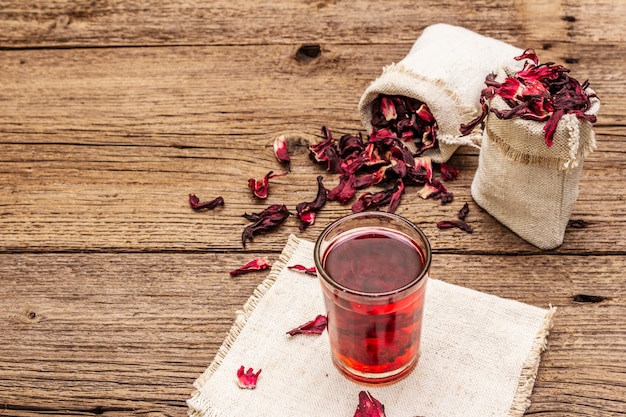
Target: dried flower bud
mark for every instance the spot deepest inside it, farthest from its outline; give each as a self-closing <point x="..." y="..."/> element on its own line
<point x="254" y="265"/>
<point x="281" y="151"/>
<point x="315" y="326"/>
<point x="247" y="379"/>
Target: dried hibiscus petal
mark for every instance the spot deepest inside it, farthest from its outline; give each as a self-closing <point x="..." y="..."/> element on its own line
<point x="345" y="190"/>
<point x="448" y="172"/>
<point x="326" y="151"/>
<point x="247" y="379"/>
<point x="254" y="265"/>
<point x="268" y="219"/>
<point x="349" y="144"/>
<point x="390" y="196"/>
<point x="315" y="326"/>
<point x="540" y="92"/>
<point x="369" y="406"/>
<point x="301" y="268"/>
<point x="405" y="118"/>
<point x="195" y="203"/>
<point x="461" y="224"/>
<point x="462" y="214"/>
<point x="281" y="151"/>
<point x="307" y="211"/>
<point x="260" y="188"/>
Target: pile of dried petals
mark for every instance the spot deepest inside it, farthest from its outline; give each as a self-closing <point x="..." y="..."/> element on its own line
<point x="541" y="92"/>
<point x="381" y="158"/>
<point x="405" y="118"/>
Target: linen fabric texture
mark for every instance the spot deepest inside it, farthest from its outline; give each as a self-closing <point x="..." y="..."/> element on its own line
<point x="446" y="69"/>
<point x="479" y="355"/>
<point x="527" y="186"/>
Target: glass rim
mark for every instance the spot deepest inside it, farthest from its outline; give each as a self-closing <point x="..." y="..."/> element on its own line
<point x="327" y="278"/>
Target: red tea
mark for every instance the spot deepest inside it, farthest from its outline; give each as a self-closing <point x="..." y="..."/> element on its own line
<point x="377" y="330"/>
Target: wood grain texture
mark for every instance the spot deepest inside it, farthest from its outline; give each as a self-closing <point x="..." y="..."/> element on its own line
<point x="116" y="295"/>
<point x="131" y="332"/>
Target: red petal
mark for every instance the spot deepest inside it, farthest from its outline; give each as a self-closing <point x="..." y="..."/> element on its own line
<point x="280" y="149"/>
<point x="461" y="224"/>
<point x="195" y="203"/>
<point x="254" y="265"/>
<point x="528" y="54"/>
<point x="306" y="211"/>
<point x="388" y="109"/>
<point x="301" y="268"/>
<point x="247" y="379"/>
<point x="261" y="188"/>
<point x="315" y="326"/>
<point x="462" y="214"/>
<point x="369" y="406"/>
<point x="395" y="197"/>
<point x="448" y="172"/>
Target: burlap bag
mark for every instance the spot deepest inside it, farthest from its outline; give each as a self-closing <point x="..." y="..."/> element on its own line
<point x="445" y="69"/>
<point x="529" y="187"/>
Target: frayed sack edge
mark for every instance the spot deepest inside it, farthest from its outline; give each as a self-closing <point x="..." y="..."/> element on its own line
<point x="526" y="382"/>
<point x="208" y="410"/>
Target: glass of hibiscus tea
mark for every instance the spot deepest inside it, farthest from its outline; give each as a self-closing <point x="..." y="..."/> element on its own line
<point x="373" y="268"/>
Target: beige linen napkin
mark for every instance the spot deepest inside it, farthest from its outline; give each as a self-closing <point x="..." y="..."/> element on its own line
<point x="479" y="355"/>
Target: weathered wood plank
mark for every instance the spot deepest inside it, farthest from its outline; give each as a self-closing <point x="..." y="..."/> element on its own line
<point x="106" y="332"/>
<point x="156" y="22"/>
<point x="139" y="94"/>
<point x="80" y="198"/>
<point x="101" y="147"/>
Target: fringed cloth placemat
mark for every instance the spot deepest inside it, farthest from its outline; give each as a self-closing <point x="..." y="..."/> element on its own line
<point x="479" y="355"/>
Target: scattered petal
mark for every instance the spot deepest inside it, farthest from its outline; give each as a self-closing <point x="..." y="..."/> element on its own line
<point x="448" y="172"/>
<point x="195" y="203"/>
<point x="315" y="326"/>
<point x="307" y="211"/>
<point x="247" y="379"/>
<point x="369" y="406"/>
<point x="260" y="188"/>
<point x="281" y="151"/>
<point x="462" y="214"/>
<point x="326" y="151"/>
<point x="254" y="265"/>
<point x="461" y="224"/>
<point x="268" y="219"/>
<point x="301" y="268"/>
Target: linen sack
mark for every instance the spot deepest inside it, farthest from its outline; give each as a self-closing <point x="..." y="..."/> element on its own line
<point x="527" y="186"/>
<point x="445" y="69"/>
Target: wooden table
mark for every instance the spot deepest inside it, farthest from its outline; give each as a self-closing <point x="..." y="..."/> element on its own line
<point x="116" y="295"/>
